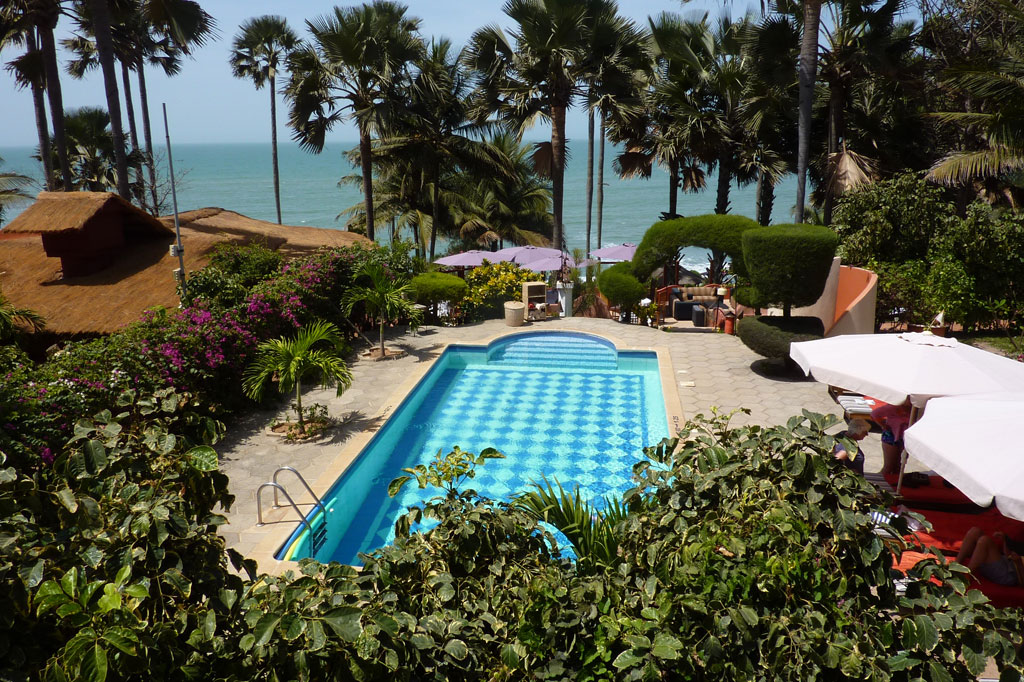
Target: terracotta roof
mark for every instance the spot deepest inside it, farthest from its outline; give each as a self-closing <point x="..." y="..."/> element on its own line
<point x="141" y="277"/>
<point x="63" y="212"/>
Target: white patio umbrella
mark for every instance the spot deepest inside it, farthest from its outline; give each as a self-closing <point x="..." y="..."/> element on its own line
<point x="975" y="443"/>
<point x="892" y="367"/>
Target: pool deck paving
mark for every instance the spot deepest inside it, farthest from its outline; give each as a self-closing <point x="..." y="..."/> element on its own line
<point x="707" y="370"/>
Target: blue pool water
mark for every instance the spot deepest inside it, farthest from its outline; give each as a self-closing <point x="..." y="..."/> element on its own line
<point x="564" y="406"/>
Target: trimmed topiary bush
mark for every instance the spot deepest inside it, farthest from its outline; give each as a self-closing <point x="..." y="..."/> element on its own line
<point x="789" y="264"/>
<point x="663" y="241"/>
<point x="620" y="286"/>
<point x="432" y="288"/>
<point x="770" y="336"/>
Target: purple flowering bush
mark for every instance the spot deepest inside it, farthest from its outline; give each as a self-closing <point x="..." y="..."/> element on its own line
<point x="199" y="350"/>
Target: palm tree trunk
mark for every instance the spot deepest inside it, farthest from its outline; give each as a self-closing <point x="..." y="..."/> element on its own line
<point x="808" y="72"/>
<point x="298" y="405"/>
<point x="600" y="181"/>
<point x="105" y="51"/>
<point x="435" y="218"/>
<point x="366" y="161"/>
<point x="42" y="127"/>
<point x="765" y="198"/>
<point x="673" y="185"/>
<point x="273" y="145"/>
<point x="590" y="172"/>
<point x="53" y="93"/>
<point x="557" y="169"/>
<point x="835" y="108"/>
<point x="133" y="134"/>
<point x="147" y="134"/>
<point x="724" y="178"/>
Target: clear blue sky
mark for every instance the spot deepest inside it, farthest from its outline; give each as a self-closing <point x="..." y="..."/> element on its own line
<point x="206" y="104"/>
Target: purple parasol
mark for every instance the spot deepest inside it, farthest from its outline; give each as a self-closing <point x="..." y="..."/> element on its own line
<point x="524" y="255"/>
<point x="620" y="252"/>
<point x="468" y="259"/>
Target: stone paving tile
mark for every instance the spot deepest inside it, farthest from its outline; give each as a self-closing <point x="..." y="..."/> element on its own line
<point x="721" y="369"/>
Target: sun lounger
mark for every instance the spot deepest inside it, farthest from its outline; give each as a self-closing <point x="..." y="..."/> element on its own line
<point x="949" y="528"/>
<point x="1001" y="596"/>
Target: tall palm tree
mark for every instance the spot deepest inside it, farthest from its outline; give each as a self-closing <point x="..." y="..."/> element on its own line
<point x="433" y="128"/>
<point x="615" y="67"/>
<point x="534" y="74"/>
<point x="29" y="72"/>
<point x="349" y="71"/>
<point x="261" y="45"/>
<point x="315" y="350"/>
<point x="383" y="295"/>
<point x="42" y="15"/>
<point x="808" y="74"/>
<point x="102" y="29"/>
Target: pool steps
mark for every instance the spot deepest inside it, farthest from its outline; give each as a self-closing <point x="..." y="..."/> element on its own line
<point x="539" y="352"/>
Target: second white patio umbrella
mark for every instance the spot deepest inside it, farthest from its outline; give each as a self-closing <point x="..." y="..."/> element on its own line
<point x="892" y="367"/>
<point x="975" y="443"/>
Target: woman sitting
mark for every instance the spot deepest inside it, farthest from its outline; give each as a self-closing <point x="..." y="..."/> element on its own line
<point x="989" y="558"/>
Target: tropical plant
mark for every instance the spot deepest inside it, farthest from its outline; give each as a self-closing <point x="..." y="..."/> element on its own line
<point x="350" y="71"/>
<point x="12" y="190"/>
<point x="491" y="285"/>
<point x="534" y="75"/>
<point x="11" y="317"/>
<point x="260" y="47"/>
<point x="383" y="296"/>
<point x="291" y="360"/>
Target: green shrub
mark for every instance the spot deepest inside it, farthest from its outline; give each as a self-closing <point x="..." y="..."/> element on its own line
<point x="892" y="221"/>
<point x="770" y="336"/>
<point x="432" y="288"/>
<point x="491" y="285"/>
<point x="789" y="264"/>
<point x="664" y="240"/>
<point x="620" y="286"/>
<point x="247" y="263"/>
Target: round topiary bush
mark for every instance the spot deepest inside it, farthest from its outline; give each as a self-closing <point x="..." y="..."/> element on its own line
<point x="770" y="336"/>
<point x="789" y="264"/>
<point x="432" y="288"/>
<point x="620" y="287"/>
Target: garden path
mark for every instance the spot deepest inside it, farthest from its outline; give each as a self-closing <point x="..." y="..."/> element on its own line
<point x="710" y="370"/>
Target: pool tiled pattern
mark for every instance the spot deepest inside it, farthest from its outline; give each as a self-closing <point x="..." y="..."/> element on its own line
<point x="709" y="370"/>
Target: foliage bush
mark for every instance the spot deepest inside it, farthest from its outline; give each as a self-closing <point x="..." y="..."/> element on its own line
<point x="741" y="553"/>
<point x="432" y="288"/>
<point x="770" y="336"/>
<point x="664" y="240"/>
<point x="491" y="285"/>
<point x="789" y="264"/>
<point x="620" y="286"/>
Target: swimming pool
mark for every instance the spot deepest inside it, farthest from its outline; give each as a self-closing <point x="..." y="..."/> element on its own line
<point x="564" y="405"/>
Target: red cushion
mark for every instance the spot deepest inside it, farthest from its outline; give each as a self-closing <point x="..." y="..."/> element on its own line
<point x="936" y="492"/>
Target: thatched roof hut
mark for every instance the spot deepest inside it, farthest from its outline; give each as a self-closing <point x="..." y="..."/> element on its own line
<point x="122" y="264"/>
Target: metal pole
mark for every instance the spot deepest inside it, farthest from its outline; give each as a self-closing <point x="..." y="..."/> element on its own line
<point x="180" y="274"/>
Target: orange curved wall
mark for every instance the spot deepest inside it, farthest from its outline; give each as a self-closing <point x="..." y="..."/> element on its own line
<point x="855" y="302"/>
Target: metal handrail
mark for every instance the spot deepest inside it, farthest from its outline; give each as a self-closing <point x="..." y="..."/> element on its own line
<point x="276" y="487"/>
<point x="302" y="480"/>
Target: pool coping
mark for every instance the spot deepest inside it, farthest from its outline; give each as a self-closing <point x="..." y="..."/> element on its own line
<point x="275" y="533"/>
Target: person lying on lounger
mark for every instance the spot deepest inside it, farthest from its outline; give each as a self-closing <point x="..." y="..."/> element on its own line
<point x="989" y="557"/>
<point x="856" y="430"/>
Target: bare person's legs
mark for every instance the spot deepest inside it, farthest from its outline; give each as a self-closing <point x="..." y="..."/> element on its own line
<point x="980" y="549"/>
<point x="891" y="458"/>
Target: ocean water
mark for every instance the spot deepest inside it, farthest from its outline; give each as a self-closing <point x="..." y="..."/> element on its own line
<point x="238" y="177"/>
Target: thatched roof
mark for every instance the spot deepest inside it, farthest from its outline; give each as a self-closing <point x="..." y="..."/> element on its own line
<point x="63" y="212"/>
<point x="142" y="275"/>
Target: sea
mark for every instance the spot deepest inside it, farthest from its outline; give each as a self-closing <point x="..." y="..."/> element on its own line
<point x="238" y="177"/>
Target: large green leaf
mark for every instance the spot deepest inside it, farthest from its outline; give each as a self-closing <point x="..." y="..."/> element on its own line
<point x="345" y="621"/>
<point x="202" y="458"/>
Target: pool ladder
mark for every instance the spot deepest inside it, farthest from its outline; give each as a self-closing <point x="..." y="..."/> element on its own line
<point x="317" y="536"/>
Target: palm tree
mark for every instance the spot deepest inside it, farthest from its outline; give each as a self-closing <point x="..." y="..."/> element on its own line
<point x="42" y="16"/>
<point x="384" y="298"/>
<point x="349" y="71"/>
<point x="808" y="74"/>
<point x="534" y="75"/>
<point x="433" y="129"/>
<point x="102" y="29"/>
<point x="292" y="360"/>
<point x="11" y="318"/>
<point x="29" y="72"/>
<point x="259" y="48"/>
<point x="615" y="65"/>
